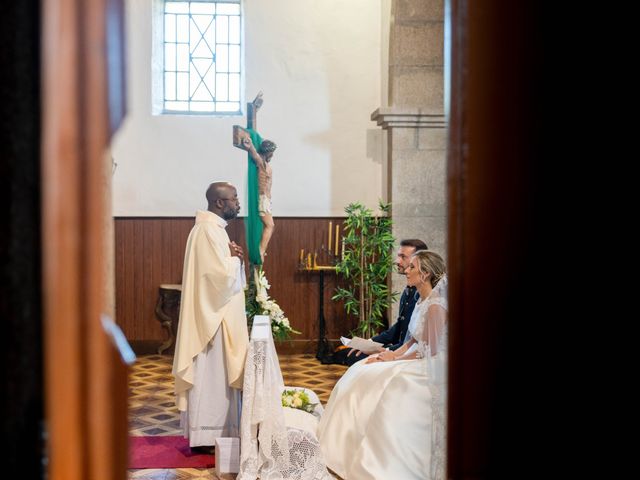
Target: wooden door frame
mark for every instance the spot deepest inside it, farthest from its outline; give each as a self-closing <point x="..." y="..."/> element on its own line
<point x="490" y="189"/>
<point x="494" y="236"/>
<point x="85" y="381"/>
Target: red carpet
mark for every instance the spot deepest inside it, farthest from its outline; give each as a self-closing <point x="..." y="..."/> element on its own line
<point x="165" y="452"/>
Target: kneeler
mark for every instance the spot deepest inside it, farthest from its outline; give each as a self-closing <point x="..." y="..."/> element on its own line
<point x="275" y="442"/>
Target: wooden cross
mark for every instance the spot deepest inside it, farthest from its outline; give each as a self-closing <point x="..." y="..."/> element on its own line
<point x="252" y="110"/>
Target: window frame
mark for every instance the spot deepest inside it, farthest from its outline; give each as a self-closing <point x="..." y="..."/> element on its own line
<point x="160" y="72"/>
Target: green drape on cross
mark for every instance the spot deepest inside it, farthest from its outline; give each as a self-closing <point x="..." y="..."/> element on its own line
<point x="253" y="224"/>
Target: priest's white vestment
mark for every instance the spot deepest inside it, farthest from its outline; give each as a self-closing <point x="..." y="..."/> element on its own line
<point x="212" y="340"/>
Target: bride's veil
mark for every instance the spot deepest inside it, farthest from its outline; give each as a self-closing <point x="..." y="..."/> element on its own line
<point x="431" y="332"/>
<point x="432" y="336"/>
<point x="438" y="366"/>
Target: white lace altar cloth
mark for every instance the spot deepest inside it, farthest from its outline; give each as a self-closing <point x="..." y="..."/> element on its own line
<point x="269" y="449"/>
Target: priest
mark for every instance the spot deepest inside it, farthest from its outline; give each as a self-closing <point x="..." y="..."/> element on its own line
<point x="212" y="338"/>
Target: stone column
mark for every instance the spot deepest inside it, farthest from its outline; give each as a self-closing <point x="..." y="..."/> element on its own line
<point x="415" y="125"/>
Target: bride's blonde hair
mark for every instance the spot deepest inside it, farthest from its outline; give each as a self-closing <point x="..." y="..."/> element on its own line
<point x="431" y="262"/>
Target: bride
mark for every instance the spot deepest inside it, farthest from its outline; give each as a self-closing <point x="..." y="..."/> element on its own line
<point x="386" y="416"/>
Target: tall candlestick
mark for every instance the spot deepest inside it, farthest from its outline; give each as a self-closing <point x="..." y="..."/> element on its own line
<point x="330" y="231"/>
<point x="337" y="236"/>
<point x="309" y="260"/>
<point x="315" y="259"/>
<point x="301" y="255"/>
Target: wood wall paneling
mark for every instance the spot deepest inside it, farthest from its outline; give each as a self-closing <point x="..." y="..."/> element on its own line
<point x="150" y="252"/>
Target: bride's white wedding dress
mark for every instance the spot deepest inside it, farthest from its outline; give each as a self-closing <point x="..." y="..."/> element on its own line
<point x="387" y="419"/>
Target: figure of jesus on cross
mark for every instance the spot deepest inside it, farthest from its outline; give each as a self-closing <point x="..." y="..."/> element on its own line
<point x="248" y="139"/>
<point x="265" y="177"/>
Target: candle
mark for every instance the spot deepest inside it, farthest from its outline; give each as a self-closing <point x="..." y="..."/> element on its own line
<point x="342" y="248"/>
<point x="330" y="230"/>
<point x="309" y="260"/>
<point x="301" y="255"/>
<point x="337" y="236"/>
<point x="315" y="260"/>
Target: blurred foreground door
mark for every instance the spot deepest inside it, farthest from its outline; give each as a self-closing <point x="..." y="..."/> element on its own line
<point x="82" y="104"/>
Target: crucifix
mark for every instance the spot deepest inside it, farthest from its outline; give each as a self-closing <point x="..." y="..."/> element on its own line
<point x="260" y="152"/>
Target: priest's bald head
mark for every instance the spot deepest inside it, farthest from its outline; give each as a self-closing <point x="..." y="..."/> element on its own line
<point x="222" y="198"/>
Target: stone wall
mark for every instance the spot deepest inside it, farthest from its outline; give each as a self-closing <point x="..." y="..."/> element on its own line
<point x="415" y="124"/>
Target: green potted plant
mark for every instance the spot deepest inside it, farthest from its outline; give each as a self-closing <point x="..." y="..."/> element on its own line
<point x="365" y="265"/>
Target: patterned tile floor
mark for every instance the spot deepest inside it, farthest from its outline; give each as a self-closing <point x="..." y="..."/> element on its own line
<point x="152" y="409"/>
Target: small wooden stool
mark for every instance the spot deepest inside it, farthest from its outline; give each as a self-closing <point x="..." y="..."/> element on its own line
<point x="168" y="313"/>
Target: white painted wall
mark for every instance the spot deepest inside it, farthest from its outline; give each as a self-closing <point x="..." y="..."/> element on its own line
<point x="319" y="66"/>
<point x="385" y="30"/>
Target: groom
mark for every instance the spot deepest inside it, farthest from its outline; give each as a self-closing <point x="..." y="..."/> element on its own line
<point x="394" y="337"/>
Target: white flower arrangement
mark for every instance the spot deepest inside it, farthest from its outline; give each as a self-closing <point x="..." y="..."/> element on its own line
<point x="297" y="399"/>
<point x="261" y="304"/>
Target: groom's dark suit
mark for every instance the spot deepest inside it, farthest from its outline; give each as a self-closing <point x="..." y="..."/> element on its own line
<point x="394" y="337"/>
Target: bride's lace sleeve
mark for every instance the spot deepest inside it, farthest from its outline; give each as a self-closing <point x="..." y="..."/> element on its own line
<point x="431" y="335"/>
<point x="430" y="332"/>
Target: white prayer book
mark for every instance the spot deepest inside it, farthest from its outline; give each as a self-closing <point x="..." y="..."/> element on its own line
<point x="227" y="455"/>
<point x="367" y="346"/>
